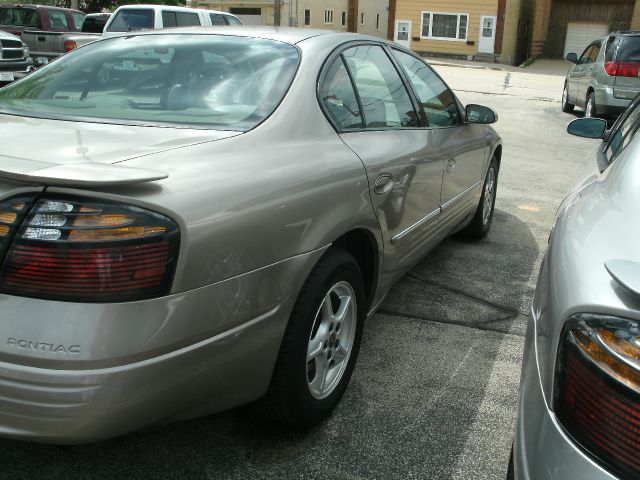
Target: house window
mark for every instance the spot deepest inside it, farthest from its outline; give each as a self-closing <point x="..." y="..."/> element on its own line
<point x="328" y="16"/>
<point x="361" y="18"/>
<point x="344" y="19"/>
<point x="307" y="17"/>
<point x="377" y="21"/>
<point x="444" y="26"/>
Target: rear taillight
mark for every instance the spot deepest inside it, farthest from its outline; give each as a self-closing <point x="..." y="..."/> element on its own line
<point x="12" y="212"/>
<point x="91" y="251"/>
<point x="70" y="45"/>
<point x="622" y="69"/>
<point x="598" y="390"/>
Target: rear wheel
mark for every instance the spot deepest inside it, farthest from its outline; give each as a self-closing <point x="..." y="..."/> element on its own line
<point x="590" y="108"/>
<point x="566" y="106"/>
<point x="481" y="222"/>
<point x="320" y="345"/>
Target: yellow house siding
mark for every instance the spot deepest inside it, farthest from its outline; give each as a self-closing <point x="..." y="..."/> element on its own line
<point x="412" y="10"/>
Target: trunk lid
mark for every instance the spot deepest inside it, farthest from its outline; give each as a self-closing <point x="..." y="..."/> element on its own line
<point x="54" y="152"/>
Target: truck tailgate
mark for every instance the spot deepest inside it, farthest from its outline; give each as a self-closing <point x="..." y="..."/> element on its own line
<point x="45" y="44"/>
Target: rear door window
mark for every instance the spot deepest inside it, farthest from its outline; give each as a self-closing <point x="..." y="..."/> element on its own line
<point x="129" y="19"/>
<point x="217" y="19"/>
<point x="58" y="20"/>
<point x="78" y="19"/>
<point x="231" y="20"/>
<point x="187" y="19"/>
<point x="339" y="98"/>
<point x="383" y="95"/>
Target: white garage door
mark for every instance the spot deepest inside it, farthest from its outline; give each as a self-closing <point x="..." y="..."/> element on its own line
<point x="579" y="35"/>
<point x="250" y="19"/>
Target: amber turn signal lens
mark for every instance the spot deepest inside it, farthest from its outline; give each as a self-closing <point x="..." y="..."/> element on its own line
<point x="8" y="217"/>
<point x="600" y="348"/>
<point x="126" y="233"/>
<point x="103" y="221"/>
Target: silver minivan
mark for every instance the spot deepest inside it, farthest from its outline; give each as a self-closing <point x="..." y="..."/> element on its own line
<point x="604" y="79"/>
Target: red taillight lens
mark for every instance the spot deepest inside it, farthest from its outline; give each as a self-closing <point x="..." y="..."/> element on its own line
<point x="622" y="69"/>
<point x="86" y="251"/>
<point x="597" y="391"/>
<point x="70" y="45"/>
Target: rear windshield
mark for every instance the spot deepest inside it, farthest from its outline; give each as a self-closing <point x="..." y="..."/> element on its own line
<point x="207" y="81"/>
<point x="94" y="24"/>
<point x="19" y="17"/>
<point x="129" y="19"/>
<point x="629" y="50"/>
<point x="232" y="20"/>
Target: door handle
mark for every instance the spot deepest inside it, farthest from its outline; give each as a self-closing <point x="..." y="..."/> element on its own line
<point x="383" y="184"/>
<point x="451" y="164"/>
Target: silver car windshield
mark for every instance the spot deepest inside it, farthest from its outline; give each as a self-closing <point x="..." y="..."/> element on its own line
<point x="213" y="81"/>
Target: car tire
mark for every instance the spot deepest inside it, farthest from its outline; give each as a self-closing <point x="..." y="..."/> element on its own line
<point x="510" y="468"/>
<point x="566" y="106"/>
<point x="590" y="106"/>
<point x="481" y="221"/>
<point x="320" y="345"/>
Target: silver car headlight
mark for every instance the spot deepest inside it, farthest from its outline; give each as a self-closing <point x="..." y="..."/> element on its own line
<point x="25" y="49"/>
<point x="597" y="391"/>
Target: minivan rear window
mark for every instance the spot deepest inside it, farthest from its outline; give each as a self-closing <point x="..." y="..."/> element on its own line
<point x="129" y="19"/>
<point x="629" y="50"/>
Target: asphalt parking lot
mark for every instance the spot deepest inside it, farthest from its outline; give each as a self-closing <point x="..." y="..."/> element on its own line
<point x="434" y="394"/>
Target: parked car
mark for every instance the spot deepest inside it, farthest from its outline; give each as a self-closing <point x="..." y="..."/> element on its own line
<point x="59" y="43"/>
<point x="129" y="18"/>
<point x="604" y="79"/>
<point x="196" y="219"/>
<point x="14" y="58"/>
<point x="40" y="27"/>
<point x="579" y="414"/>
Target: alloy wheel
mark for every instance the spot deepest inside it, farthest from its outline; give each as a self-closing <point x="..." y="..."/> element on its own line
<point x="489" y="194"/>
<point x="331" y="340"/>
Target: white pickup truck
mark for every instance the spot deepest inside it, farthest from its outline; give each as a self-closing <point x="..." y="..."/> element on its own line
<point x="149" y="17"/>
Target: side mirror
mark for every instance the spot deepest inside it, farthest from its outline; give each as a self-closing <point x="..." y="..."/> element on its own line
<point x="588" y="127"/>
<point x="480" y="114"/>
<point x="572" y="57"/>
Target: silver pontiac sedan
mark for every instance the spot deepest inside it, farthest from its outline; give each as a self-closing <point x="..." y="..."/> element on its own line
<point x="579" y="416"/>
<point x="192" y="220"/>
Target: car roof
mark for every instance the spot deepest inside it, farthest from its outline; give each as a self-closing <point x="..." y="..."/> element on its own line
<point x="290" y="35"/>
<point x="37" y="5"/>
<point x="173" y="8"/>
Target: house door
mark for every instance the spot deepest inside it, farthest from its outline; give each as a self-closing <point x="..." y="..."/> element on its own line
<point x="403" y="33"/>
<point x="487" y="38"/>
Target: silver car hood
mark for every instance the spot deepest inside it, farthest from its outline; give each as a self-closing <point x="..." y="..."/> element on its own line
<point x="66" y="153"/>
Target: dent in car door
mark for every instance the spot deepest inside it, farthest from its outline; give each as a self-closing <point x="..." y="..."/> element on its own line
<point x="463" y="147"/>
<point x="402" y="161"/>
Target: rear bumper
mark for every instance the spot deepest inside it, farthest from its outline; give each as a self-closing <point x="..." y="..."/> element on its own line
<point x="541" y="449"/>
<point x="74" y="407"/>
<point x="80" y="373"/>
<point x="607" y="104"/>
